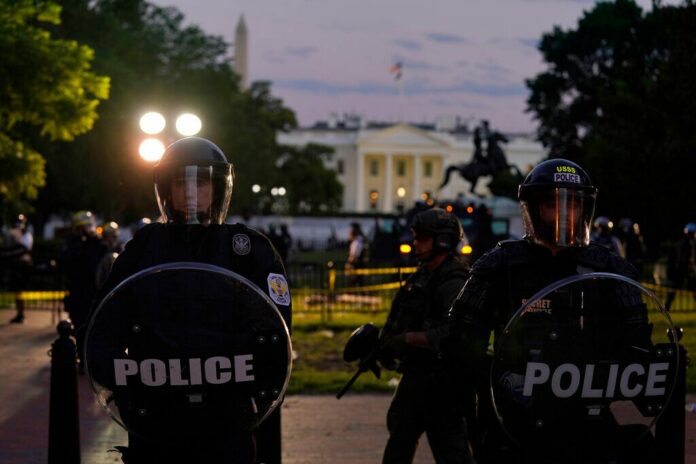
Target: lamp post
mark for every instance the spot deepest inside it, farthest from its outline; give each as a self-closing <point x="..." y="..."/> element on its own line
<point x="278" y="203"/>
<point x="153" y="124"/>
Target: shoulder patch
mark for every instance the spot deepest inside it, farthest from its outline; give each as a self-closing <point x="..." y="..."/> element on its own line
<point x="241" y="244"/>
<point x="278" y="289"/>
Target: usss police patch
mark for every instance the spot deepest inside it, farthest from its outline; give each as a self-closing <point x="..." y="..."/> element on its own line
<point x="278" y="289"/>
<point x="241" y="244"/>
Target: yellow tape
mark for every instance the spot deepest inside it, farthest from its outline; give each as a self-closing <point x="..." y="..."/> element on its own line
<point x="381" y="271"/>
<point x="35" y="295"/>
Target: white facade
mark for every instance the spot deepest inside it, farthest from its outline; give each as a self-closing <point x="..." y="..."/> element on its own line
<point x="382" y="169"/>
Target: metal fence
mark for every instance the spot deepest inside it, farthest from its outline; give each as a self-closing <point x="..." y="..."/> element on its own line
<point x="327" y="290"/>
<point x="319" y="289"/>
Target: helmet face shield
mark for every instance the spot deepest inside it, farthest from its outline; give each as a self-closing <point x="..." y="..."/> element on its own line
<point x="559" y="217"/>
<point x="194" y="194"/>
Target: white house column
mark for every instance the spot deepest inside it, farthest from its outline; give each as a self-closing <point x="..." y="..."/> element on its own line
<point x="389" y="188"/>
<point x="360" y="177"/>
<point x="416" y="177"/>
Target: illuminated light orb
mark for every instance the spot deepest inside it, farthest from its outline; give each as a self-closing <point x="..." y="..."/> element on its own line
<point x="152" y="123"/>
<point x="188" y="124"/>
<point x="151" y="150"/>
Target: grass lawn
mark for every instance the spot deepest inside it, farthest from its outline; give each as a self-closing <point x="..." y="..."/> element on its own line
<point x="319" y="367"/>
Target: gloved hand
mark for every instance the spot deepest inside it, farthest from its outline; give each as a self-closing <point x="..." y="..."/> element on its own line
<point x="394" y="348"/>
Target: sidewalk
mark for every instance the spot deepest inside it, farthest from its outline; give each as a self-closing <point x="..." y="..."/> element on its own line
<point x="316" y="429"/>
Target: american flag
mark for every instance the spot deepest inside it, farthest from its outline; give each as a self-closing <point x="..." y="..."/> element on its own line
<point x="395" y="69"/>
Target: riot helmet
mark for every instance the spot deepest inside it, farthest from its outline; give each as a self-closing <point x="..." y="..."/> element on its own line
<point x="443" y="227"/>
<point x="20" y="222"/>
<point x="111" y="231"/>
<point x="557" y="199"/>
<point x="690" y="229"/>
<point x="83" y="223"/>
<point x="603" y="225"/>
<point x="193" y="182"/>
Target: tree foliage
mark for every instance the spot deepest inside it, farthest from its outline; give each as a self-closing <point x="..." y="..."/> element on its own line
<point x="312" y="188"/>
<point x="618" y="96"/>
<point x="156" y="63"/>
<point x="48" y="91"/>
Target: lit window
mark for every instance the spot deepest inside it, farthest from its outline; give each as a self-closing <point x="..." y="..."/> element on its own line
<point x="428" y="169"/>
<point x="401" y="168"/>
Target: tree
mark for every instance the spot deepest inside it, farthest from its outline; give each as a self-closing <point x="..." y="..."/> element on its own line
<point x="156" y="63"/>
<point x="618" y="97"/>
<point x="48" y="91"/>
<point x="311" y="187"/>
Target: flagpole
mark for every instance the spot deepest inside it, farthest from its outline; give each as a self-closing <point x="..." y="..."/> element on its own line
<point x="400" y="85"/>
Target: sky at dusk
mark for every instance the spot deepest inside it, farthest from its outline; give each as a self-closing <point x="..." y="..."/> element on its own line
<point x="466" y="58"/>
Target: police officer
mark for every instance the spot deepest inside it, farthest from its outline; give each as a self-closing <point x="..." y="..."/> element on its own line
<point x="424" y="400"/>
<point x="16" y="255"/>
<point x="681" y="264"/>
<point x="78" y="260"/>
<point x="193" y="185"/>
<point x="110" y="236"/>
<point x="557" y="201"/>
<point x="603" y="234"/>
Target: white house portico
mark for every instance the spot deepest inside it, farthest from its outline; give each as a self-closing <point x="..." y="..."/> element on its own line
<point x="384" y="169"/>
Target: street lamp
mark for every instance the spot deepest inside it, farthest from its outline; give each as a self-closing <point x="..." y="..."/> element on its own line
<point x="153" y="123"/>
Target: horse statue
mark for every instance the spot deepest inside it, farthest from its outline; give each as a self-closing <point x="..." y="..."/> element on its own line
<point x="482" y="165"/>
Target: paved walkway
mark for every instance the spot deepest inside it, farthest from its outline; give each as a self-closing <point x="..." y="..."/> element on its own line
<point x="316" y="429"/>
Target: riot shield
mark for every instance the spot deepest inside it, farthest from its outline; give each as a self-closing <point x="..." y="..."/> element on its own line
<point x="187" y="352"/>
<point x="584" y="368"/>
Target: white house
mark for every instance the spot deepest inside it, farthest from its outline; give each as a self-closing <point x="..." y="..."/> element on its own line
<point x="388" y="166"/>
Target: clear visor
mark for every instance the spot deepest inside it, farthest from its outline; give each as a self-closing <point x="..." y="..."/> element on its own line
<point x="194" y="194"/>
<point x="560" y="217"/>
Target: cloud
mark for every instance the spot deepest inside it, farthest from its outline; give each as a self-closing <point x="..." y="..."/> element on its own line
<point x="301" y="52"/>
<point x="333" y="88"/>
<point x="528" y="42"/>
<point x="411" y="88"/>
<point x="422" y="66"/>
<point x="459" y="104"/>
<point x="407" y="44"/>
<point x="559" y="1"/>
<point x="493" y="69"/>
<point x="447" y="38"/>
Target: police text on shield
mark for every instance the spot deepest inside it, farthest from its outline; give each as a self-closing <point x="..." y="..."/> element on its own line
<point x="156" y="372"/>
<point x="629" y="381"/>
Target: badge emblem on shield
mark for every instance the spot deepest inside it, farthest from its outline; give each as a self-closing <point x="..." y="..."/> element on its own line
<point x="278" y="289"/>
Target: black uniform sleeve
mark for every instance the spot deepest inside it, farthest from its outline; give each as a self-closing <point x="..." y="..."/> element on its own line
<point x="471" y="318"/>
<point x="443" y="299"/>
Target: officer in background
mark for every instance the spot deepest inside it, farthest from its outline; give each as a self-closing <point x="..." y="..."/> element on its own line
<point x="557" y="211"/>
<point x="15" y="255"/>
<point x="681" y="264"/>
<point x="193" y="184"/>
<point x="603" y="234"/>
<point x="633" y="243"/>
<point x="425" y="400"/>
<point x="78" y="260"/>
<point x="110" y="235"/>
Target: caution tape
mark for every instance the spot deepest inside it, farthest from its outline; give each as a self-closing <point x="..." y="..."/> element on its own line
<point x="43" y="295"/>
<point x="380" y="271"/>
